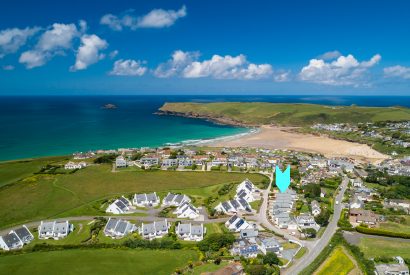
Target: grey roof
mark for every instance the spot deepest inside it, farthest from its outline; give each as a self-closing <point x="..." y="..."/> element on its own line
<point x="239" y="223"/>
<point x="23" y="234"/>
<point x="46" y="227"/>
<point x="244" y="203"/>
<point x="249" y="233"/>
<point x="226" y="206"/>
<point x="235" y="204"/>
<point x="148" y="228"/>
<point x="270" y="242"/>
<point x="242" y="193"/>
<point x="178" y="198"/>
<point x="233" y="219"/>
<point x="184" y="228"/>
<point x="112" y="222"/>
<point x="11" y="239"/>
<point x="124" y="201"/>
<point x="61" y="227"/>
<point x="121" y="226"/>
<point x="196" y="230"/>
<point x="161" y="226"/>
<point x="169" y="197"/>
<point x="140" y="198"/>
<point x="152" y="197"/>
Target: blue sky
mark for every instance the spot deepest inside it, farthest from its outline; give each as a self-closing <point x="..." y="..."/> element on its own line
<point x="205" y="47"/>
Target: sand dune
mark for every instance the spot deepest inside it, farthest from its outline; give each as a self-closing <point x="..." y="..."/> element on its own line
<point x="280" y="138"/>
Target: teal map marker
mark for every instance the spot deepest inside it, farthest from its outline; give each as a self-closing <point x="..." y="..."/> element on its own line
<point x="282" y="178"/>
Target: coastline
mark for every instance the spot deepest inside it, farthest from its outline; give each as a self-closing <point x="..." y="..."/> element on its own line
<point x="274" y="137"/>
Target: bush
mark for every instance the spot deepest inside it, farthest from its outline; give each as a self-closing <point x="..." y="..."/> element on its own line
<point x="105" y="158"/>
<point x="323" y="218"/>
<point x="381" y="232"/>
<point x="270" y="259"/>
<point x="216" y="241"/>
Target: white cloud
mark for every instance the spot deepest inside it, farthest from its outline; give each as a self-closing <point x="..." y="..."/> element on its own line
<point x="176" y="64"/>
<point x="12" y="39"/>
<point x="128" y="67"/>
<point x="113" y="54"/>
<point x="186" y="64"/>
<point x="8" y="67"/>
<point x="52" y="42"/>
<point x="345" y="70"/>
<point x="397" y="71"/>
<point x="157" y="18"/>
<point x="329" y="55"/>
<point x="89" y="51"/>
<point x="160" y="18"/>
<point x="281" y="76"/>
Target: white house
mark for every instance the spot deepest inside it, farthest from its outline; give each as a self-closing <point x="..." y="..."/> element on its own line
<point x="315" y="206"/>
<point x="117" y="228"/>
<point x="187" y="210"/>
<point x="120" y="162"/>
<point x="54" y="230"/>
<point x="73" y="165"/>
<point x="169" y="162"/>
<point x="190" y="232"/>
<point x="357" y="182"/>
<point x="154" y="230"/>
<point x="175" y="199"/>
<point x="16" y="239"/>
<point x="237" y="224"/>
<point x="144" y="200"/>
<point x="119" y="206"/>
<point x="306" y="221"/>
<point x="270" y="245"/>
<point x="356" y="203"/>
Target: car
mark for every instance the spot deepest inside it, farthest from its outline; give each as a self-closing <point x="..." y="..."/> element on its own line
<point x="337" y="202"/>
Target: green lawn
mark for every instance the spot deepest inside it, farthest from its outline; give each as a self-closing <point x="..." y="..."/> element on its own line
<point x="209" y="267"/>
<point x="397" y="227"/>
<point x="257" y="113"/>
<point x="372" y="247"/>
<point x="47" y="196"/>
<point x="215" y="228"/>
<point x="101" y="261"/>
<point x="337" y="263"/>
<point x="11" y="171"/>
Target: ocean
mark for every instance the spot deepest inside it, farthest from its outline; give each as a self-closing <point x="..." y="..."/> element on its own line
<point x="34" y="126"/>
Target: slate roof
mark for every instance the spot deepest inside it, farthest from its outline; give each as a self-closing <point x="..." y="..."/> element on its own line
<point x="11" y="239"/>
<point x="24" y="234"/>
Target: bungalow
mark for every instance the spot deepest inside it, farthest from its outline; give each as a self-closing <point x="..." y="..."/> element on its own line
<point x="72" y="165"/>
<point x="146" y="200"/>
<point x="190" y="232"/>
<point x="305" y="221"/>
<point x="120" y="162"/>
<point x="117" y="228"/>
<point x="356" y="203"/>
<point x="187" y="210"/>
<point x="357" y="182"/>
<point x="399" y="268"/>
<point x="398" y="204"/>
<point x="54" y="230"/>
<point x="16" y="239"/>
<point x="149" y="160"/>
<point x="157" y="229"/>
<point x="249" y="233"/>
<point x="237" y="224"/>
<point x="270" y="245"/>
<point x="363" y="216"/>
<point x="119" y="206"/>
<point x="175" y="199"/>
<point x="246" y="249"/>
<point x="315" y="206"/>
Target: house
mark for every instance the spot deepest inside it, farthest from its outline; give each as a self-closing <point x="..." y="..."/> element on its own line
<point x="117" y="228"/>
<point x="282" y="219"/>
<point x="315" y="206"/>
<point x="190" y="232"/>
<point x="357" y="182"/>
<point x="305" y="221"/>
<point x="249" y="233"/>
<point x="237" y="224"/>
<point x="270" y="245"/>
<point x="175" y="199"/>
<point x="72" y="165"/>
<point x="363" y="216"/>
<point x="246" y="249"/>
<point x="356" y="203"/>
<point x="54" y="230"/>
<point x="233" y="206"/>
<point x="169" y="162"/>
<point x="119" y="206"/>
<point x="399" y="268"/>
<point x="187" y="210"/>
<point x="157" y="229"/>
<point x="16" y="239"/>
<point x="146" y="200"/>
<point x="149" y="160"/>
<point x="185" y="161"/>
<point x="120" y="162"/>
<point x="245" y="190"/>
<point x="398" y="204"/>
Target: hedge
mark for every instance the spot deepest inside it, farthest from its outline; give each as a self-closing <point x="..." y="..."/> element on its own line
<point x="381" y="232"/>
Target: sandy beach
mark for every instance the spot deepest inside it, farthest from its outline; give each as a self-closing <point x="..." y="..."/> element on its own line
<point x="280" y="138"/>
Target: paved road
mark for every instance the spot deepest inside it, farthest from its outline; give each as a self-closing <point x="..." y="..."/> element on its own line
<point x="320" y="244"/>
<point x="130" y="218"/>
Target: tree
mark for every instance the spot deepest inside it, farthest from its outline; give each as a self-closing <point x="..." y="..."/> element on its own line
<point x="216" y="241"/>
<point x="312" y="190"/>
<point x="270" y="258"/>
<point x="323" y="218"/>
<point x="309" y="232"/>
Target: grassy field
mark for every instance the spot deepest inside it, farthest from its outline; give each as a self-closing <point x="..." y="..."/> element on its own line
<point x="46" y="196"/>
<point x="257" y="113"/>
<point x="337" y="263"/>
<point x="372" y="247"/>
<point x="101" y="261"/>
<point x="209" y="267"/>
<point x="397" y="227"/>
<point x="12" y="171"/>
<point x="215" y="228"/>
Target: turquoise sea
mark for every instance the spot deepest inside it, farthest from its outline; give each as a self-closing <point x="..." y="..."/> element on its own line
<point x="58" y="125"/>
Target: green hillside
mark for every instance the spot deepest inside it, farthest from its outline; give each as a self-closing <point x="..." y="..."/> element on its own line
<point x="258" y="113"/>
